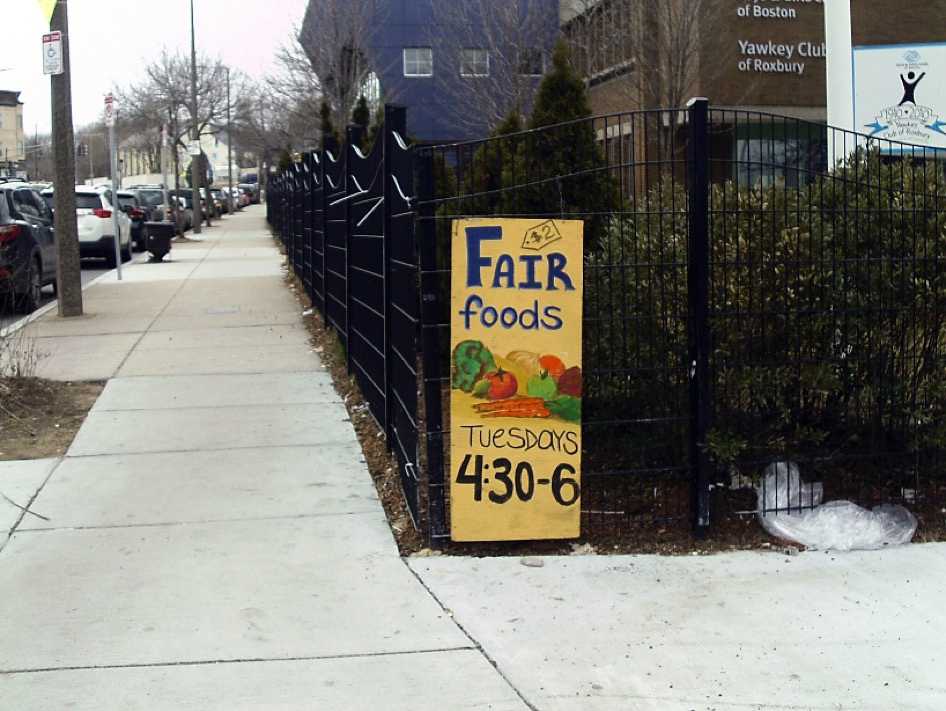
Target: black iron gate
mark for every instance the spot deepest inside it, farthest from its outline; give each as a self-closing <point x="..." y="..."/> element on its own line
<point x="757" y="288"/>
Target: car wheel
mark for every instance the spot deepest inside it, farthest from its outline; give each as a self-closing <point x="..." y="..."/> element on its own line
<point x="126" y="253"/>
<point x="29" y="301"/>
<point x="110" y="261"/>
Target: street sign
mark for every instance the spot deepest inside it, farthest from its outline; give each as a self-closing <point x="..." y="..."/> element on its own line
<point x="109" y="110"/>
<point x="193" y="148"/>
<point x="52" y="53"/>
<point x="516" y="381"/>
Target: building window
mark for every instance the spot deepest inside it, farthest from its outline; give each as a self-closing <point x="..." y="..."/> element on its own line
<point x="531" y="62"/>
<point x="474" y="63"/>
<point x="418" y="62"/>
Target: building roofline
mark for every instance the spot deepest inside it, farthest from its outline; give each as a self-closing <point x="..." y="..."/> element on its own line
<point x="10" y="98"/>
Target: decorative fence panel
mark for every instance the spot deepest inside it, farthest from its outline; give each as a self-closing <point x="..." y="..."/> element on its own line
<point x="758" y="289"/>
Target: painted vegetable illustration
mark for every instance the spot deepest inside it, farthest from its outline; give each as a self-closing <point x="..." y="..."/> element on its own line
<point x="516" y="407"/>
<point x="570" y="382"/>
<point x="471" y="360"/>
<point x="566" y="407"/>
<point x="552" y="365"/>
<point x="502" y="385"/>
<point x="543" y="386"/>
<point x="521" y="375"/>
<point x="526" y="360"/>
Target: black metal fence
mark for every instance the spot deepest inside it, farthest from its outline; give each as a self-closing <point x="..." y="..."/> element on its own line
<point x="757" y="289"/>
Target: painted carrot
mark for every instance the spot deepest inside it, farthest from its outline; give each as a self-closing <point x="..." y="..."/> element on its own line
<point x="511" y="403"/>
<point x="519" y="413"/>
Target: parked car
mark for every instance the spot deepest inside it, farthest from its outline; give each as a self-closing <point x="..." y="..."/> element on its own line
<point x="215" y="209"/>
<point x="221" y="199"/>
<point x="252" y="189"/>
<point x="185" y="199"/>
<point x="237" y="198"/>
<point x="128" y="201"/>
<point x="96" y="226"/>
<point x="151" y="200"/>
<point x="27" y="245"/>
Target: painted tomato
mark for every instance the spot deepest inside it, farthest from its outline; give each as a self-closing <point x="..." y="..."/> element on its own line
<point x="502" y="385"/>
<point x="552" y="365"/>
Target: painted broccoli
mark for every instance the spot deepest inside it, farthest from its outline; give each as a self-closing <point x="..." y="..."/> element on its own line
<point x="471" y="360"/>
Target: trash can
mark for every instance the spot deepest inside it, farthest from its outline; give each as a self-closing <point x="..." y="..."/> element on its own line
<point x="158" y="236"/>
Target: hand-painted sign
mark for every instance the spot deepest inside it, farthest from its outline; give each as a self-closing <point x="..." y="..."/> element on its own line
<point x="516" y="382"/>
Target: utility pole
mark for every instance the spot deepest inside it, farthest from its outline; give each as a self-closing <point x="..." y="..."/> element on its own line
<point x="116" y="180"/>
<point x="197" y="180"/>
<point x="164" y="172"/>
<point x="229" y="147"/>
<point x="68" y="276"/>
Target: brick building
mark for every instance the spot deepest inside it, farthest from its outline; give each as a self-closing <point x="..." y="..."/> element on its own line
<point x="752" y="54"/>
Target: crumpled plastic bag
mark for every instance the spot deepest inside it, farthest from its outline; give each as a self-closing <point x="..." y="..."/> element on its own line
<point x="791" y="509"/>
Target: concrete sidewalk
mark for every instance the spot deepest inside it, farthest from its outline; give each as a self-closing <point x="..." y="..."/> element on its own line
<point x="214" y="538"/>
<point x="748" y="631"/>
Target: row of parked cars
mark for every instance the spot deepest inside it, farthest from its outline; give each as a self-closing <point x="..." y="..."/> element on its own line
<point x="27" y="237"/>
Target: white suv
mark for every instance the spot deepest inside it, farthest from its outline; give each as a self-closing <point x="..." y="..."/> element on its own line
<point x="96" y="226"/>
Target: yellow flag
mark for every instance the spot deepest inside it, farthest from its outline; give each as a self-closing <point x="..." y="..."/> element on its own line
<point x="47" y="6"/>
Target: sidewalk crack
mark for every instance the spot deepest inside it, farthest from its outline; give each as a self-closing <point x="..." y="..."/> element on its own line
<point x="473" y="640"/>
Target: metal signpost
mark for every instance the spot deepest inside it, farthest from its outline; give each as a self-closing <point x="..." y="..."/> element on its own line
<point x="110" y="122"/>
<point x="164" y="174"/>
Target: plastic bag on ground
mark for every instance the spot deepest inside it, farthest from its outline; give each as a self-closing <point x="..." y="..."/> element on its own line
<point x="792" y="510"/>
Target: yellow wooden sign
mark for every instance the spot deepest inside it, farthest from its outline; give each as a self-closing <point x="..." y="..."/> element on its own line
<point x="47" y="6"/>
<point x="516" y="380"/>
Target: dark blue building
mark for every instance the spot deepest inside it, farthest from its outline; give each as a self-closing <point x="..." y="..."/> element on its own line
<point x="459" y="66"/>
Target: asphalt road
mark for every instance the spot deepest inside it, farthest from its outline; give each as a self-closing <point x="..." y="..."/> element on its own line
<point x="90" y="269"/>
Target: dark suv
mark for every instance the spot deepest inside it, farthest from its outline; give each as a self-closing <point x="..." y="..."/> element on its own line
<point x="130" y="205"/>
<point x="27" y="245"/>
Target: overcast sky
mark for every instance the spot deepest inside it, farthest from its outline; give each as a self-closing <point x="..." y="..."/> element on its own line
<point x="112" y="41"/>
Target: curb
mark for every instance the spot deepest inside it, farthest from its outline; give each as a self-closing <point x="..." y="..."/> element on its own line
<point x="46" y="308"/>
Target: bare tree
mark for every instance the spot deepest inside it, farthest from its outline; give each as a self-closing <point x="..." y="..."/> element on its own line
<point x="662" y="53"/>
<point x="489" y="55"/>
<point x="294" y="89"/>
<point x="268" y="122"/>
<point x="163" y="98"/>
<point x="335" y="37"/>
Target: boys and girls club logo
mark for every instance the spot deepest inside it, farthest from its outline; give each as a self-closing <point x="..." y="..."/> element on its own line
<point x="911" y="119"/>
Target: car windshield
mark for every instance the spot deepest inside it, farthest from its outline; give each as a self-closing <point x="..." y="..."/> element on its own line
<point x="188" y="199"/>
<point x="127" y="201"/>
<point x="88" y="201"/>
<point x="150" y="198"/>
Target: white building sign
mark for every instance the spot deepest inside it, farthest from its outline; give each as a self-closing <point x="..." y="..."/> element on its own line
<point x="898" y="93"/>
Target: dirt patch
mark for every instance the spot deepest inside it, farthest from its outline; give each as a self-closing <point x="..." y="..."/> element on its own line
<point x="40" y="418"/>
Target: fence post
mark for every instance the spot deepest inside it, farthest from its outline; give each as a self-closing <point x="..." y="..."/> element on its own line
<point x="329" y="145"/>
<point x="353" y="136"/>
<point x="698" y="309"/>
<point x="430" y="350"/>
<point x="395" y="119"/>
